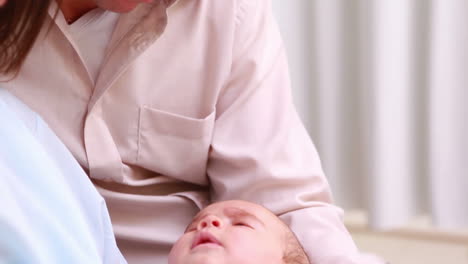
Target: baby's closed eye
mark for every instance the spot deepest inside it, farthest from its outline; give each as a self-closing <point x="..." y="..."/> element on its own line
<point x="242" y="224"/>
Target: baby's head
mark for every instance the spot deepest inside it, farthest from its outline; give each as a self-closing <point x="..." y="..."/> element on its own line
<point x="237" y="232"/>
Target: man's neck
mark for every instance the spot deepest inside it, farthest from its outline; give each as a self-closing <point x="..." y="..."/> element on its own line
<point x="72" y="10"/>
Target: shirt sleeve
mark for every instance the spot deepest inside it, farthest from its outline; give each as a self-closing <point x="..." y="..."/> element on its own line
<point x="261" y="152"/>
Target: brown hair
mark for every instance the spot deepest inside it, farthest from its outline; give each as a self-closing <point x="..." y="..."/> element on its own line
<point x="20" y="24"/>
<point x="294" y="253"/>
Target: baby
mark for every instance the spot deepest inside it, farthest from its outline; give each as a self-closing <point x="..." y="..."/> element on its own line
<point x="237" y="232"/>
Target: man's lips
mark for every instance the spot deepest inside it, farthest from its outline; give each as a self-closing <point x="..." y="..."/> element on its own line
<point x="205" y="238"/>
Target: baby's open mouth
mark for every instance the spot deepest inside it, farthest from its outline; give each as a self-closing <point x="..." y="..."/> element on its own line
<point x="205" y="238"/>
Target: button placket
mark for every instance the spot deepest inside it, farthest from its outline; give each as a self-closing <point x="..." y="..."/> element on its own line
<point x="103" y="156"/>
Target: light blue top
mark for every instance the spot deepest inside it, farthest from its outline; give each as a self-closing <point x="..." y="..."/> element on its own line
<point x="50" y="211"/>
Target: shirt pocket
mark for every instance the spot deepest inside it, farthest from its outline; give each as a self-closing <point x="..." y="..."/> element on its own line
<point x="174" y="145"/>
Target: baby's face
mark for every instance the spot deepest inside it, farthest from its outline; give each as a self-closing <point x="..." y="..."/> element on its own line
<point x="232" y="232"/>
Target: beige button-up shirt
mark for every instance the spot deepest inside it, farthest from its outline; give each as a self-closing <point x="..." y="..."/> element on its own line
<point x="192" y="103"/>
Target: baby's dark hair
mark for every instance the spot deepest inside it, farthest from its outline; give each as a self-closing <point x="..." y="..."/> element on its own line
<point x="293" y="253"/>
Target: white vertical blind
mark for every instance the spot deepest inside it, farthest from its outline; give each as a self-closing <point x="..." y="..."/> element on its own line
<point x="382" y="87"/>
<point x="449" y="112"/>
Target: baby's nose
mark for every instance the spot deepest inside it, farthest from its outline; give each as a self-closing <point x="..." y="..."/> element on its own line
<point x="210" y="221"/>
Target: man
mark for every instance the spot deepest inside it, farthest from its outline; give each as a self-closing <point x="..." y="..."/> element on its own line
<point x="173" y="101"/>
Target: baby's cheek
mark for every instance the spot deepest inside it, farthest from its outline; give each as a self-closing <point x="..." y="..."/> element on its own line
<point x="179" y="250"/>
<point x="245" y="248"/>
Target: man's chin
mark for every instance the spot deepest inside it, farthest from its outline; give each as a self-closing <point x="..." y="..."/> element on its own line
<point x="123" y="8"/>
<point x="126" y="9"/>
